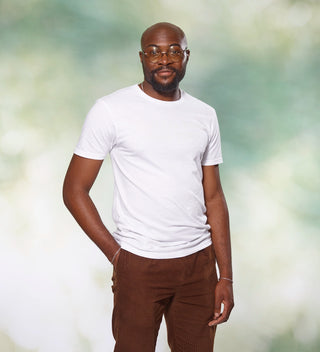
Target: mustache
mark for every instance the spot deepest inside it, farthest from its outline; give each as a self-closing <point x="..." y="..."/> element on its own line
<point x="164" y="68"/>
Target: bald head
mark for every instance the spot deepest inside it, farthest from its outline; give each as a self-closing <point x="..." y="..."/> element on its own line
<point x="162" y="73"/>
<point x="161" y="30"/>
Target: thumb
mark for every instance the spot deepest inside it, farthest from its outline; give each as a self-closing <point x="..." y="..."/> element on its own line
<point x="217" y="308"/>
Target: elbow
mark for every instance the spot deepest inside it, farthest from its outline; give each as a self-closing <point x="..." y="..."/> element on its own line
<point x="73" y="194"/>
<point x="68" y="193"/>
<point x="217" y="197"/>
<point x="216" y="203"/>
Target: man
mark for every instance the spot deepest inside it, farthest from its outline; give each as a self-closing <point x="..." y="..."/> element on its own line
<point x="169" y="208"/>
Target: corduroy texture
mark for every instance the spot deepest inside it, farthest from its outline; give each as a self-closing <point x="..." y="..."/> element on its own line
<point x="181" y="289"/>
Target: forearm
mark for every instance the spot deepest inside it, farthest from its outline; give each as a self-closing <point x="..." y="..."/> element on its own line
<point x="85" y="213"/>
<point x="218" y="219"/>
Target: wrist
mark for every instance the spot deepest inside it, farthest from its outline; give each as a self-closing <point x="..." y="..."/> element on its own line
<point x="115" y="255"/>
<point x="225" y="279"/>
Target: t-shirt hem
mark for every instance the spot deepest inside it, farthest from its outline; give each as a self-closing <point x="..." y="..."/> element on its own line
<point x="176" y="254"/>
<point x="88" y="155"/>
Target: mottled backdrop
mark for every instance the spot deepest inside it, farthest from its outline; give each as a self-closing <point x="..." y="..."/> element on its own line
<point x="257" y="63"/>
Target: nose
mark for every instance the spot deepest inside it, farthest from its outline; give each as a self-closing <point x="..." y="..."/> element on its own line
<point x="164" y="58"/>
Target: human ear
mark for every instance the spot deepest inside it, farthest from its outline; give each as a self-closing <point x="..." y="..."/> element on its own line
<point x="188" y="54"/>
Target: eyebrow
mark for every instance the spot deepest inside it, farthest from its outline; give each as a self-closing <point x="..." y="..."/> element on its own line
<point x="173" y="44"/>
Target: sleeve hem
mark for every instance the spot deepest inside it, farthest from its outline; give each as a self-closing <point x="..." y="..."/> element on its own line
<point x="212" y="162"/>
<point x="89" y="155"/>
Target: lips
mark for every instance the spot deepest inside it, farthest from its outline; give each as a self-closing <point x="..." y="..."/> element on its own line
<point x="165" y="72"/>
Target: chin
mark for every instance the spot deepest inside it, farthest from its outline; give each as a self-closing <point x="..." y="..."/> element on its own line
<point x="165" y="87"/>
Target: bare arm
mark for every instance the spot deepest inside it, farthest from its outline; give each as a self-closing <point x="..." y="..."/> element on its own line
<point x="218" y="219"/>
<point x="79" y="179"/>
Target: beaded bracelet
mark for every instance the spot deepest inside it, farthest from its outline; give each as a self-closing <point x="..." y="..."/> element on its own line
<point x="115" y="255"/>
<point x="225" y="278"/>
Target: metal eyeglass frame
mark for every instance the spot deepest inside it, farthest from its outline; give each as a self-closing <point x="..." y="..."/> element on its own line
<point x="165" y="52"/>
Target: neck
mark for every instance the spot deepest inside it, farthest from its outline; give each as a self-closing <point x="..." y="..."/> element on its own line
<point x="166" y="96"/>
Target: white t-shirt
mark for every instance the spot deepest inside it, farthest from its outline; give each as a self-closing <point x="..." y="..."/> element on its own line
<point x="156" y="148"/>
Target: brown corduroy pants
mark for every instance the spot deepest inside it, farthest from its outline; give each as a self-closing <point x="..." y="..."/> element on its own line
<point x="181" y="289"/>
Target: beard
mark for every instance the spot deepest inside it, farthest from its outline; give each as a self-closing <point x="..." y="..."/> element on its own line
<point x="166" y="87"/>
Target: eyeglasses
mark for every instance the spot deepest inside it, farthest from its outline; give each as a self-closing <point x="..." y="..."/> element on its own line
<point x="174" y="53"/>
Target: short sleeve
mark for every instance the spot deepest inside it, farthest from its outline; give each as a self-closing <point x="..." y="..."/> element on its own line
<point x="213" y="154"/>
<point x="98" y="133"/>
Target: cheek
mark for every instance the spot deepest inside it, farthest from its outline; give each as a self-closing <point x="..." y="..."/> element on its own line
<point x="146" y="69"/>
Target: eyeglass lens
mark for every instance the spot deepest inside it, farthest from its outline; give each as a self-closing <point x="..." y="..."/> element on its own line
<point x="174" y="53"/>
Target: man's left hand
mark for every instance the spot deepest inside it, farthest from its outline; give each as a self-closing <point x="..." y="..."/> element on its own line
<point x="223" y="294"/>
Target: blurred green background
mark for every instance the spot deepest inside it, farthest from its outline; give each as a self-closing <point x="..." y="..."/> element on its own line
<point x="257" y="63"/>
